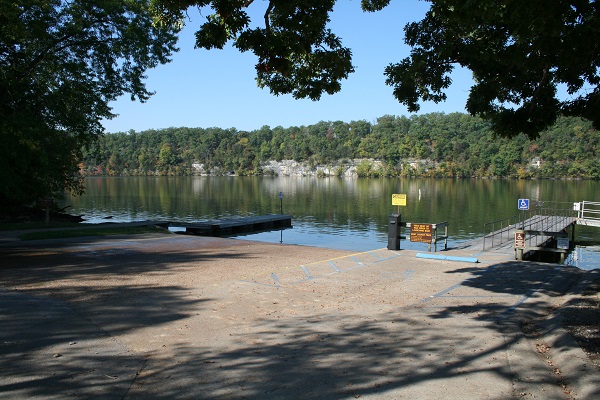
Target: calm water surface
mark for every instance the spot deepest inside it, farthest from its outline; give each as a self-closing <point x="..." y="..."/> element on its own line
<point x="349" y="214"/>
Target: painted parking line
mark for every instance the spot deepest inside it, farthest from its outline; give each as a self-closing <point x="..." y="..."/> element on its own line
<point x="307" y="272"/>
<point x="336" y="269"/>
<point x="319" y="269"/>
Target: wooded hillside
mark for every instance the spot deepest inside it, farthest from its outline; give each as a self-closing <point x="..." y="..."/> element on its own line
<point x="428" y="145"/>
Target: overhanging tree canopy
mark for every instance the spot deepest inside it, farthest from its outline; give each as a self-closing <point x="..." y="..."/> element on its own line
<point x="61" y="63"/>
<point x="521" y="53"/>
<point x="296" y="52"/>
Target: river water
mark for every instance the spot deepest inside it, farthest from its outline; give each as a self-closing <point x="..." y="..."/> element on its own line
<point x="340" y="213"/>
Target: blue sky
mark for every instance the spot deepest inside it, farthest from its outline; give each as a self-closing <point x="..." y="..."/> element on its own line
<point x="217" y="88"/>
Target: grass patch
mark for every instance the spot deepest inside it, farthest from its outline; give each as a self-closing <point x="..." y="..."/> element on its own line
<point x="82" y="232"/>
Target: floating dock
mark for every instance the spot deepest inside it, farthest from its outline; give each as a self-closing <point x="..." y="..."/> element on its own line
<point x="236" y="226"/>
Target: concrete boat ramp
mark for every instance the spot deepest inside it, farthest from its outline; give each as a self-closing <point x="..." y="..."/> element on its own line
<point x="188" y="317"/>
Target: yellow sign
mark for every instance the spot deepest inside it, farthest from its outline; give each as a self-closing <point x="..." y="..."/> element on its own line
<point x="399" y="200"/>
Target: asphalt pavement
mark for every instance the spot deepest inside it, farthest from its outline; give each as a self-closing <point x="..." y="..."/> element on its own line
<point x="171" y="316"/>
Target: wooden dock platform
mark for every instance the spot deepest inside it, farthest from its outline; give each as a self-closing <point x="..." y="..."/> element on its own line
<point x="539" y="230"/>
<point x="237" y="226"/>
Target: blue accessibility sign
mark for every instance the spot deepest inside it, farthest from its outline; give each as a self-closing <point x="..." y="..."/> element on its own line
<point x="523" y="204"/>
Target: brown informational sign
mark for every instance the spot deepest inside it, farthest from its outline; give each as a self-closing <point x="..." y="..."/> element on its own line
<point x="421" y="233"/>
<point x="519" y="239"/>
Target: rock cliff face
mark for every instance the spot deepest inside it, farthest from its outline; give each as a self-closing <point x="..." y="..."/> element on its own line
<point x="295" y="168"/>
<point x="348" y="168"/>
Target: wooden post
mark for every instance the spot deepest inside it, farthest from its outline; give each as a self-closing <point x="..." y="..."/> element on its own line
<point x="519" y="243"/>
<point x="573" y="233"/>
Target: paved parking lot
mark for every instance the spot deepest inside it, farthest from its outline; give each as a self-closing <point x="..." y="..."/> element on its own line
<point x="170" y="316"/>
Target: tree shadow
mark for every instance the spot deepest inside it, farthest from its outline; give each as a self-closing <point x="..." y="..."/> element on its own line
<point x="48" y="350"/>
<point x="311" y="360"/>
<point x="97" y="259"/>
<point x="57" y="336"/>
<point x="295" y="359"/>
<point x="581" y="316"/>
<point x="444" y="350"/>
<point x="521" y="278"/>
<point x="449" y="350"/>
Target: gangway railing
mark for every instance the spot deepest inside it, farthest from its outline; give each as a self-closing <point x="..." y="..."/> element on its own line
<point x="545" y="221"/>
<point x="588" y="213"/>
<point x="501" y="231"/>
<point x="541" y="219"/>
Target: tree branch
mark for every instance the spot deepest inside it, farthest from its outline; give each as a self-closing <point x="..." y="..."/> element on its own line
<point x="536" y="92"/>
<point x="66" y="38"/>
<point x="267" y="21"/>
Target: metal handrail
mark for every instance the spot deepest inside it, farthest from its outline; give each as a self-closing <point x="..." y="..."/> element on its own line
<point x="546" y="223"/>
<point x="584" y="213"/>
<point x="548" y="218"/>
<point x="506" y="226"/>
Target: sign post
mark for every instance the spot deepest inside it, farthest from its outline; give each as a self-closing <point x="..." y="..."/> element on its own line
<point x="399" y="200"/>
<point x="281" y="212"/>
<point x="523" y="205"/>
<point x="519" y="244"/>
<point x="281" y="203"/>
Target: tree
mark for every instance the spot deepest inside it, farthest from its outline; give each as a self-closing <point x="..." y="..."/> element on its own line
<point x="167" y="157"/>
<point x="297" y="53"/>
<point x="61" y="63"/>
<point x="520" y="52"/>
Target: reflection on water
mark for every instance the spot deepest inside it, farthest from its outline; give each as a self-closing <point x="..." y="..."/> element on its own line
<point x="585" y="257"/>
<point x="358" y="241"/>
<point x="348" y="214"/>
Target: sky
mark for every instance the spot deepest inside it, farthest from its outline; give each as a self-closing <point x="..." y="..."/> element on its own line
<point x="217" y="88"/>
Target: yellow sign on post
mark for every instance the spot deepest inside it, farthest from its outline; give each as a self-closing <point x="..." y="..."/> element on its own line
<point x="399" y="200"/>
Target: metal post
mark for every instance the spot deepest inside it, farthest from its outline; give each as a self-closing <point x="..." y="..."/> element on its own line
<point x="281" y="203"/>
<point x="446" y="240"/>
<point x="523" y="219"/>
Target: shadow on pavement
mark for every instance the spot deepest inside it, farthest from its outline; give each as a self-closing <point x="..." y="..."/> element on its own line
<point x="433" y="349"/>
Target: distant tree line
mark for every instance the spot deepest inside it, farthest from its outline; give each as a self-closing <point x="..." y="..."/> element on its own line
<point x="430" y="145"/>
